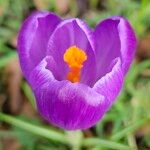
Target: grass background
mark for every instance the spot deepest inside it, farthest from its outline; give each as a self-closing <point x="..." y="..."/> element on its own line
<point x="126" y="126"/>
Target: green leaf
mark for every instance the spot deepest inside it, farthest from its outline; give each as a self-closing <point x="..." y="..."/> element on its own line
<point x="29" y="94"/>
<point x="131" y="128"/>
<point x="6" y="59"/>
<point x="104" y="143"/>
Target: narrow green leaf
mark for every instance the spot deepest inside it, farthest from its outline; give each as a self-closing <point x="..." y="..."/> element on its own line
<point x="28" y="92"/>
<point x="133" y="127"/>
<point x="104" y="143"/>
<point x="4" y="60"/>
<point x="47" y="133"/>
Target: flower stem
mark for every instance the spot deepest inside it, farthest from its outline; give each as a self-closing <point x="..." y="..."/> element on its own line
<point x="75" y="138"/>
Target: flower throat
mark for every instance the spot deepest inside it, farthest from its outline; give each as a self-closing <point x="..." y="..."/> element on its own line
<point x="74" y="57"/>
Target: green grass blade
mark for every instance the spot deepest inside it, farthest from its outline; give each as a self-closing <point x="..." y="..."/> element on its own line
<point x="133" y="127"/>
<point x="47" y="133"/>
<point x="104" y="143"/>
<point x="28" y="92"/>
<point x="6" y="59"/>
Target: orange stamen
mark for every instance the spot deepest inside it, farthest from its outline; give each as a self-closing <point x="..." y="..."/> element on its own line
<point x="74" y="57"/>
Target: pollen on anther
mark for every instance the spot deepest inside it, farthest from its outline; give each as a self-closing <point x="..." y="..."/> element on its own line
<point x="75" y="58"/>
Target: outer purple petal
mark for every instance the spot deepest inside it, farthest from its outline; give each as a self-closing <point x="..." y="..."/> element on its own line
<point x="128" y="43"/>
<point x="68" y="33"/>
<point x="114" y="38"/>
<point x="68" y="106"/>
<point x="33" y="38"/>
<point x="111" y="84"/>
<point x="65" y="104"/>
<point x="41" y="74"/>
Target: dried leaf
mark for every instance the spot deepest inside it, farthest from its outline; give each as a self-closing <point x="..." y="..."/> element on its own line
<point x="14" y="82"/>
<point x="143" y="130"/>
<point x="3" y="6"/>
<point x="143" y="51"/>
<point x="42" y="4"/>
<point x="11" y="144"/>
<point x="62" y="6"/>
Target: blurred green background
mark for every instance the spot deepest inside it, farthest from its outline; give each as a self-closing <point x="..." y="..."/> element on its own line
<point x="127" y="124"/>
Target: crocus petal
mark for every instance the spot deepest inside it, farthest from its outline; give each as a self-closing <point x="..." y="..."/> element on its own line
<point x="68" y="106"/>
<point x="33" y="38"/>
<point x="128" y="43"/>
<point x="114" y="38"/>
<point x="41" y="74"/>
<point x="69" y="33"/>
<point x="63" y="103"/>
<point x="111" y="84"/>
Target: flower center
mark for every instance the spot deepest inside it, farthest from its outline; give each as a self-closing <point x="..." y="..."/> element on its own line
<point x="74" y="57"/>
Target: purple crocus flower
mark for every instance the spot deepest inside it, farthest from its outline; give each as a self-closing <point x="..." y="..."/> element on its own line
<point x="75" y="72"/>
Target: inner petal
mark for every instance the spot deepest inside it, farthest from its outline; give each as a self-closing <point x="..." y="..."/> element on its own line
<point x="69" y="33"/>
<point x="75" y="58"/>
